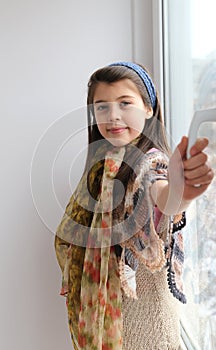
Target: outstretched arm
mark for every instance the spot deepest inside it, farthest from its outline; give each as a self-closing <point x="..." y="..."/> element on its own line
<point x="188" y="178"/>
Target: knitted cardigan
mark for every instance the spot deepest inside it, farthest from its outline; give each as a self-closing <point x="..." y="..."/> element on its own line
<point x="145" y="230"/>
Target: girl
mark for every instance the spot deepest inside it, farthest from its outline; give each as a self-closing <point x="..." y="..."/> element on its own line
<point x="119" y="244"/>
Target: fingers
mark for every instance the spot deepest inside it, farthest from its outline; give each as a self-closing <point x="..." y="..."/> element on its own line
<point x="204" y="178"/>
<point x="199" y="146"/>
<point x="197" y="173"/>
<point x="182" y="147"/>
<point x="195" y="161"/>
<point x="196" y="165"/>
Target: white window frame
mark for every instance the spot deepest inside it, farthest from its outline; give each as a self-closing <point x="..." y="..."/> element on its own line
<point x="163" y="79"/>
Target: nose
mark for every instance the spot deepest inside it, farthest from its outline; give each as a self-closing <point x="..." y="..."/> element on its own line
<point x="114" y="112"/>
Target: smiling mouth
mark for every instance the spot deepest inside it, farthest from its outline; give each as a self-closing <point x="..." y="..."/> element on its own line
<point x="117" y="130"/>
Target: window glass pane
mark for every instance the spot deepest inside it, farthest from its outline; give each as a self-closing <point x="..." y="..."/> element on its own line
<point x="190" y="70"/>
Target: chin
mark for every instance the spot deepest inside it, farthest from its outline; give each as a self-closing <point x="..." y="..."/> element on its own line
<point x="117" y="142"/>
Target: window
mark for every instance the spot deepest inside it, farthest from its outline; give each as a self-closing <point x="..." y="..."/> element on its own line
<point x="189" y="29"/>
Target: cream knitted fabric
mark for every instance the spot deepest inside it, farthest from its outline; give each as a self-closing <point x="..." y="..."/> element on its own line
<point x="152" y="321"/>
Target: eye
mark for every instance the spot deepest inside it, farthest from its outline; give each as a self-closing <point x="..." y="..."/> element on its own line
<point x="125" y="103"/>
<point x="101" y="107"/>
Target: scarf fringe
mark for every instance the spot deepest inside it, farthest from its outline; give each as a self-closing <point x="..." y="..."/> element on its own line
<point x="127" y="274"/>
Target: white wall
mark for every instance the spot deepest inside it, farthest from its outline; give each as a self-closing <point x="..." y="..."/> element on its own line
<point x="48" y="50"/>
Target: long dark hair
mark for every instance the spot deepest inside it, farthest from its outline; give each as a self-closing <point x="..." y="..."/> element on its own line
<point x="153" y="134"/>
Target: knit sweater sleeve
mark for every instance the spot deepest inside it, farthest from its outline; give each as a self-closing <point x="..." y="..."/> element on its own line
<point x="159" y="162"/>
<point x="169" y="229"/>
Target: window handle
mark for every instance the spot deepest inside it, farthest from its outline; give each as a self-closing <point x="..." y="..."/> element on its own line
<point x="202" y="116"/>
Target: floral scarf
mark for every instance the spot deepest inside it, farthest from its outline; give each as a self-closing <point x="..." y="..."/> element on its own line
<point x="97" y="268"/>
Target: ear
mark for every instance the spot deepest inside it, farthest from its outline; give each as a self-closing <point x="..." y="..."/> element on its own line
<point x="149" y="113"/>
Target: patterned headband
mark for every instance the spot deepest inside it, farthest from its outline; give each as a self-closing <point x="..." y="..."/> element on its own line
<point x="144" y="76"/>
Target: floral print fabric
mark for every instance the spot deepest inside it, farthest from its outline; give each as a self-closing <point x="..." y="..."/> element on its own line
<point x="91" y="276"/>
<point x="100" y="321"/>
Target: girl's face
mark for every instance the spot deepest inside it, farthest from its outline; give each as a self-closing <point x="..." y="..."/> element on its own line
<point x="120" y="112"/>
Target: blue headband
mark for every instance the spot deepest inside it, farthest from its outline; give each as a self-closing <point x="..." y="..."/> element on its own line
<point x="144" y="76"/>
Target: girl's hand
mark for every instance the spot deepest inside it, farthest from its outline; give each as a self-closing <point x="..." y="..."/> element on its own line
<point x="188" y="178"/>
<point x="195" y="171"/>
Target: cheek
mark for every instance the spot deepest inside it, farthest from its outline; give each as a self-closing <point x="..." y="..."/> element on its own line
<point x="136" y="124"/>
<point x="101" y="128"/>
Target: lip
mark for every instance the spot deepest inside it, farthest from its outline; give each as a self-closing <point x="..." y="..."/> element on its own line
<point x="118" y="130"/>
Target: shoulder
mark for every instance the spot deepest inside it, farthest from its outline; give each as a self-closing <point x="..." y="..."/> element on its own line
<point x="154" y="159"/>
<point x="154" y="156"/>
<point x="153" y="166"/>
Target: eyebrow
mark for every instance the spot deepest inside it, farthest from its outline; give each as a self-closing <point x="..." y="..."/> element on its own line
<point x="119" y="98"/>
